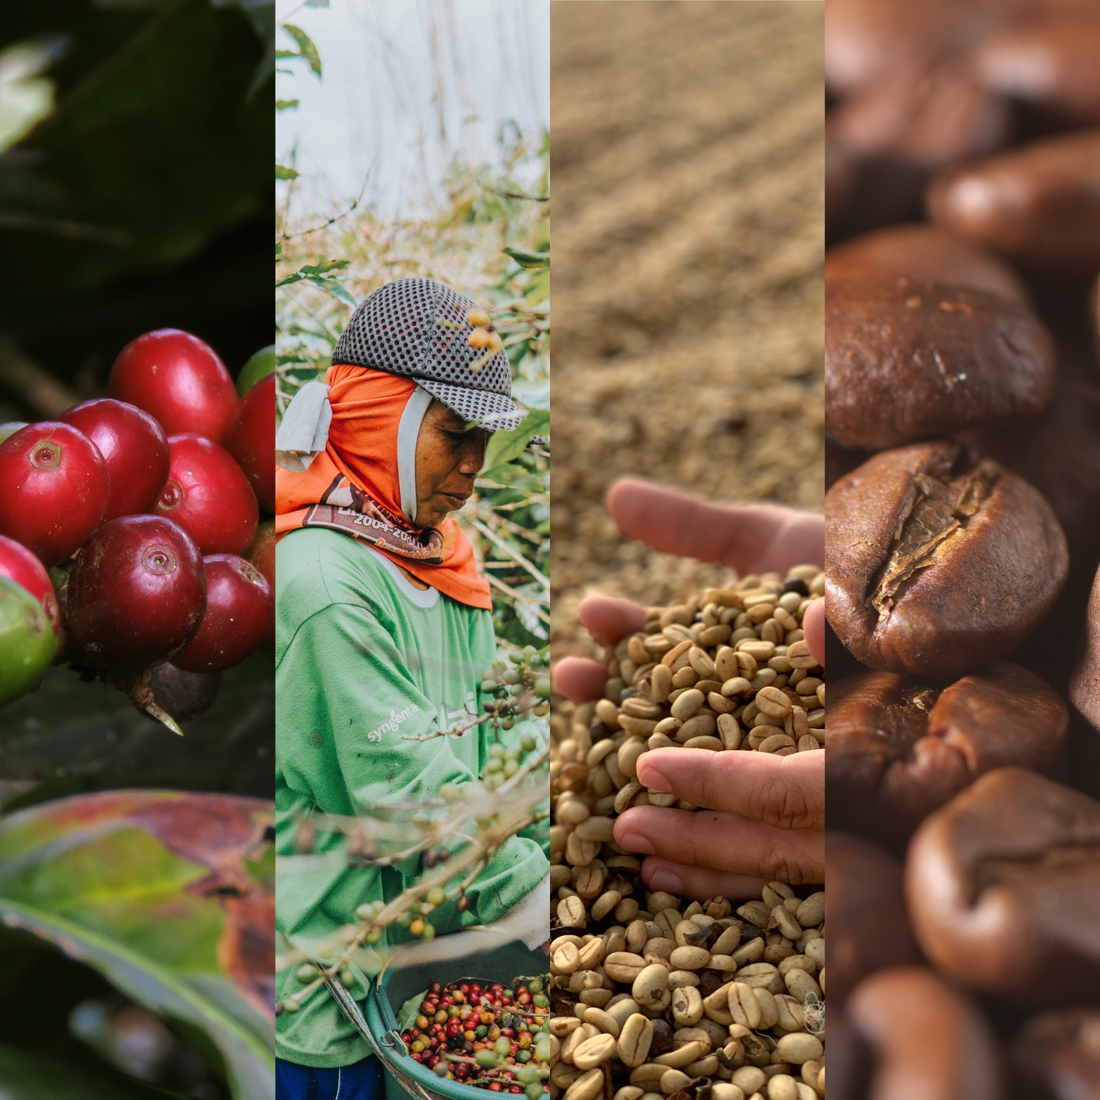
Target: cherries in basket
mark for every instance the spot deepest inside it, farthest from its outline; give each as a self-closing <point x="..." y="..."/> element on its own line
<point x="485" y="1034"/>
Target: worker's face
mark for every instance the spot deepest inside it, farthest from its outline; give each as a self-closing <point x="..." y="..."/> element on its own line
<point x="448" y="458"/>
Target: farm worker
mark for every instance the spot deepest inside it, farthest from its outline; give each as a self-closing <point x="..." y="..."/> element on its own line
<point x="770" y="817"/>
<point x="383" y="633"/>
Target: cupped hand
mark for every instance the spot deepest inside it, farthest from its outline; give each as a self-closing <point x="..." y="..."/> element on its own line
<point x="763" y="816"/>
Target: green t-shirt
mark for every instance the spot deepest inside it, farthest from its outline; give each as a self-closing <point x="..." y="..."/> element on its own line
<point x="364" y="662"/>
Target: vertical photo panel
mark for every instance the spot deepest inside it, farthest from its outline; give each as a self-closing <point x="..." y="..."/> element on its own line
<point x="136" y="595"/>
<point x="962" y="410"/>
<point x="412" y="558"/>
<point x="687" y="828"/>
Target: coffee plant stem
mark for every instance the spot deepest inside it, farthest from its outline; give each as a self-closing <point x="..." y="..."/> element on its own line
<point x="515" y="555"/>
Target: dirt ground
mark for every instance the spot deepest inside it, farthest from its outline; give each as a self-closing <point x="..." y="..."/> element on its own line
<point x="688" y="233"/>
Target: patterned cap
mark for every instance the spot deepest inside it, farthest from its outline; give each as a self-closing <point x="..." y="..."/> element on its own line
<point x="418" y="328"/>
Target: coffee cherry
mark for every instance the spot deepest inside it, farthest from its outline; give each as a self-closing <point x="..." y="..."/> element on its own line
<point x="18" y="564"/>
<point x="258" y="366"/>
<point x="133" y="446"/>
<point x="54" y="486"/>
<point x="479" y="338"/>
<point x="137" y="592"/>
<point x="27" y="641"/>
<point x="182" y="694"/>
<point x="251" y="440"/>
<point x="239" y="610"/>
<point x="477" y="317"/>
<point x="177" y="378"/>
<point x="262" y="551"/>
<point x="208" y="496"/>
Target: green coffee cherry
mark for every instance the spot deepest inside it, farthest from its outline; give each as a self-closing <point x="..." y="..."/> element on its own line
<point x="259" y="366"/>
<point x="27" y="641"/>
<point x="306" y="973"/>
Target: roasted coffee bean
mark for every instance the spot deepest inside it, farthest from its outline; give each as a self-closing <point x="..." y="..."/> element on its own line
<point x="1085" y="685"/>
<point x="901" y="746"/>
<point x="938" y="562"/>
<point x="1059" y="453"/>
<point x="923" y="252"/>
<point x="908" y="358"/>
<point x="865" y="910"/>
<point x="1085" y="694"/>
<point x="1038" y="204"/>
<point x="911" y="122"/>
<point x="868" y="39"/>
<point x="1058" y="1054"/>
<point x="1050" y="63"/>
<point x="922" y="1039"/>
<point x="1003" y="888"/>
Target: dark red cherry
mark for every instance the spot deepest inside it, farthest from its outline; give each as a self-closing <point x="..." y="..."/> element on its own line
<point x="208" y="496"/>
<point x="239" y="611"/>
<point x="137" y="592"/>
<point x="134" y="447"/>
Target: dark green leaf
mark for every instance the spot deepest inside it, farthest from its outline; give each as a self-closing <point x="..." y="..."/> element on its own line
<point x="504" y="446"/>
<point x="324" y="265"/>
<point x="528" y="259"/>
<point x="309" y="50"/>
<point x="31" y="1076"/>
<point x="119" y="155"/>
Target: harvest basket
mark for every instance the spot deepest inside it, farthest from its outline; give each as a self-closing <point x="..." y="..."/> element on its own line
<point x="484" y="958"/>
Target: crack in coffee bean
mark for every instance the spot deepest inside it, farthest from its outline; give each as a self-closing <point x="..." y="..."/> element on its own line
<point x="1005" y="872"/>
<point x="934" y="524"/>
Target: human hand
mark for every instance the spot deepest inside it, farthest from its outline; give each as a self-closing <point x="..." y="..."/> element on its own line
<point x="764" y="815"/>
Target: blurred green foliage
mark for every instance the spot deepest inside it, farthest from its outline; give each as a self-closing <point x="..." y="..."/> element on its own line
<point x="143" y="200"/>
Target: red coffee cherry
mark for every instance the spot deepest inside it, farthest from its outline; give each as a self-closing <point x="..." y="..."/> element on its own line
<point x="208" y="496"/>
<point x="134" y="447"/>
<point x="251" y="440"/>
<point x="54" y="486"/>
<point x="137" y="592"/>
<point x="262" y="555"/>
<point x="18" y="564"/>
<point x="177" y="378"/>
<point x="239" y="612"/>
<point x="262" y="551"/>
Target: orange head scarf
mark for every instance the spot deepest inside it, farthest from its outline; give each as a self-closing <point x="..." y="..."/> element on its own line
<point x="354" y="486"/>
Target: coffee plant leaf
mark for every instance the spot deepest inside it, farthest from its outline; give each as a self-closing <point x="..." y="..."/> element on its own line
<point x="103" y="205"/>
<point x="505" y="446"/>
<point x="168" y="895"/>
<point x="528" y="259"/>
<point x="30" y="1076"/>
<point x="307" y="51"/>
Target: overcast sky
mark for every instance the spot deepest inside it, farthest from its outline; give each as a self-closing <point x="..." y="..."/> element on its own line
<point x="375" y="114"/>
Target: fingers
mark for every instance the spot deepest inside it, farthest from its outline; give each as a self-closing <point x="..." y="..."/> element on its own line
<point x="813" y="626"/>
<point x="609" y="619"/>
<point x="786" y="792"/>
<point x="579" y="679"/>
<point x="699" y="883"/>
<point x="750" y="538"/>
<point x="723" y="842"/>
